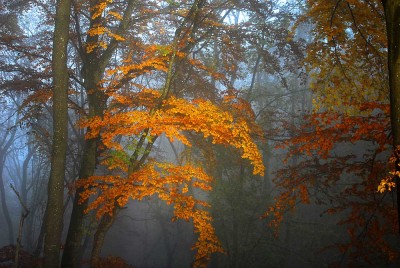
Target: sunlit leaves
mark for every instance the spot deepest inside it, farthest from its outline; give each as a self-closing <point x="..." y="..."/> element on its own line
<point x="176" y="116"/>
<point x="145" y="115"/>
<point x="138" y="113"/>
<point x="100" y="29"/>
<point x="170" y="183"/>
<point x="100" y="8"/>
<point x="388" y="183"/>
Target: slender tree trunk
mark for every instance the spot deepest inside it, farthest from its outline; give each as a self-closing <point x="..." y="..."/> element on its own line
<point x="54" y="214"/>
<point x="24" y="214"/>
<point x="3" y="200"/>
<point x="24" y="195"/>
<point x="39" y="245"/>
<point x="392" y="14"/>
<point x="24" y="184"/>
<point x="5" y="144"/>
<point x="100" y="235"/>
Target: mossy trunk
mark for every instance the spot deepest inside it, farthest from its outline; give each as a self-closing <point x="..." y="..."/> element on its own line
<point x="55" y="198"/>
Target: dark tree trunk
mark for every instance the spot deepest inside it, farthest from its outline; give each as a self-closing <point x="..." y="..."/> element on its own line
<point x="93" y="69"/>
<point x="392" y="14"/>
<point x="96" y="99"/>
<point x="76" y="231"/>
<point x="55" y="211"/>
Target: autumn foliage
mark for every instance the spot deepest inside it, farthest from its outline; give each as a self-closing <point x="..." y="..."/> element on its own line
<point x="347" y="60"/>
<point x="345" y="182"/>
<point x="135" y="118"/>
<point x="171" y="183"/>
<point x="125" y="116"/>
<point x="338" y="156"/>
<point x="174" y="117"/>
<point x="145" y="72"/>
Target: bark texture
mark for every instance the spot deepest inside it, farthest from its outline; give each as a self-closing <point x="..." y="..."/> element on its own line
<point x="54" y="213"/>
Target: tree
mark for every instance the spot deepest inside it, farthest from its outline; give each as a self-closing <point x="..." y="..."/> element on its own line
<point x="9" y="16"/>
<point x="392" y="9"/>
<point x="95" y="61"/>
<point x="55" y="199"/>
<point x="168" y="181"/>
<point x="347" y="61"/>
<point x="341" y="166"/>
<point x="150" y="59"/>
<point x="162" y="58"/>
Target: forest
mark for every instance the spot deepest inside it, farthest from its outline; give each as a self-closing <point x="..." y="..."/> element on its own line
<point x="199" y="133"/>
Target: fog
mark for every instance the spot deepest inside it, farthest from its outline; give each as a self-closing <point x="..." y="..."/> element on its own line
<point x="197" y="134"/>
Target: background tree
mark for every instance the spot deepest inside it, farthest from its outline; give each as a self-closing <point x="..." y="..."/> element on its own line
<point x="94" y="63"/>
<point x="391" y="9"/>
<point x="6" y="143"/>
<point x="132" y="70"/>
<point x="350" y="109"/>
<point x="55" y="197"/>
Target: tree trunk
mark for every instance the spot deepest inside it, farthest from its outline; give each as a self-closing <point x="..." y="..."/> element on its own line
<point x="54" y="214"/>
<point x="5" y="144"/>
<point x="392" y="14"/>
<point x="92" y="73"/>
<point x="24" y="183"/>
<point x="100" y="235"/>
<point x="24" y="195"/>
<point x="93" y="69"/>
<point x="76" y="230"/>
<point x="3" y="199"/>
